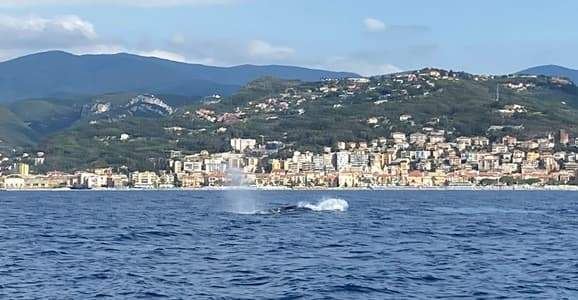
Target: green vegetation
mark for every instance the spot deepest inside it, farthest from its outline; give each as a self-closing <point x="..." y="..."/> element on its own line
<point x="45" y="116"/>
<point x="13" y="131"/>
<point x="307" y="115"/>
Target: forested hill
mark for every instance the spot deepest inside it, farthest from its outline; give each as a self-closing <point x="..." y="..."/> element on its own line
<point x="309" y="115"/>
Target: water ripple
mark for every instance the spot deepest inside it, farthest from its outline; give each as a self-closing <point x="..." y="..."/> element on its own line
<point x="387" y="245"/>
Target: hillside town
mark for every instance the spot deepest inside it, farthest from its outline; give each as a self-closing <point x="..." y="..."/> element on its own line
<point x="430" y="158"/>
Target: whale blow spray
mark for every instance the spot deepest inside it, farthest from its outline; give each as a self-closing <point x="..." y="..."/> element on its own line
<point x="240" y="198"/>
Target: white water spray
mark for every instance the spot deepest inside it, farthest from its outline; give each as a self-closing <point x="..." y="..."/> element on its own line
<point x="330" y="204"/>
<point x="241" y="199"/>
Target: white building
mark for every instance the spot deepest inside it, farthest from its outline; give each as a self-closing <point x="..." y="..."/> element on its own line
<point x="342" y="160"/>
<point x="89" y="180"/>
<point x="215" y="166"/>
<point x="399" y="137"/>
<point x="193" y="166"/>
<point x="417" y="138"/>
<point x="241" y="145"/>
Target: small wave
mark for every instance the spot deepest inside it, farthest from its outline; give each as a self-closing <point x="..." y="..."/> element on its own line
<point x="330" y="204"/>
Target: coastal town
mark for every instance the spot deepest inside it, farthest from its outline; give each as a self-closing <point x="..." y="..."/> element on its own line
<point x="430" y="158"/>
<point x="355" y="133"/>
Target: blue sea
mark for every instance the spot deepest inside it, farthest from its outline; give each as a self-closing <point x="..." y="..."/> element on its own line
<point x="289" y="245"/>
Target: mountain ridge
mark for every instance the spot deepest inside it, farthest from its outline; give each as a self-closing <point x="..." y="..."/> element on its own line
<point x="552" y="70"/>
<point x="59" y="73"/>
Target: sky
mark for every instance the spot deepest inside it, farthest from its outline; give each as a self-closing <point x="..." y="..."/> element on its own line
<point x="365" y="36"/>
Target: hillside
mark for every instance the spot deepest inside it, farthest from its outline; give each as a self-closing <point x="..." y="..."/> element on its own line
<point x="59" y="74"/>
<point x="310" y="115"/>
<point x="24" y="123"/>
<point x="552" y="70"/>
<point x="13" y="131"/>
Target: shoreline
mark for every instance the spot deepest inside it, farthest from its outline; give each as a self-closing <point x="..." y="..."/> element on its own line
<point x="567" y="188"/>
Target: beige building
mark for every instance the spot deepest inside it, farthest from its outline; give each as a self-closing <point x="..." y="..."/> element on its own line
<point x="192" y="180"/>
<point x="144" y="180"/>
<point x="13" y="182"/>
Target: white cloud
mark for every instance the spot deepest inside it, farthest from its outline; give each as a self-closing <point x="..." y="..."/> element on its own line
<point x="263" y="49"/>
<point x="21" y="35"/>
<point x="359" y="65"/>
<point x="208" y="61"/>
<point x="374" y="25"/>
<point x="381" y="69"/>
<point x="139" y="3"/>
<point x="34" y="32"/>
<point x="369" y="69"/>
<point x="7" y="55"/>
<point x="228" y="51"/>
<point x="98" y="49"/>
<point x="164" y="55"/>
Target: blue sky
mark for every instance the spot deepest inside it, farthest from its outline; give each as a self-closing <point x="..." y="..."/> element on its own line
<point x="368" y="37"/>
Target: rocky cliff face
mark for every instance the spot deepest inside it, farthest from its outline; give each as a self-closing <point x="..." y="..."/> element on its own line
<point x="148" y="106"/>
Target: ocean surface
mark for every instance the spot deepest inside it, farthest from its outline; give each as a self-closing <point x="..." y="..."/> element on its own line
<point x="267" y="245"/>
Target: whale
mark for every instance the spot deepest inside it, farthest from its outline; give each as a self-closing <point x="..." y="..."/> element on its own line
<point x="284" y="209"/>
<point x="330" y="204"/>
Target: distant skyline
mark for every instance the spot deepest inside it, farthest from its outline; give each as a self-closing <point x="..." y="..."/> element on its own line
<point x="368" y="37"/>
